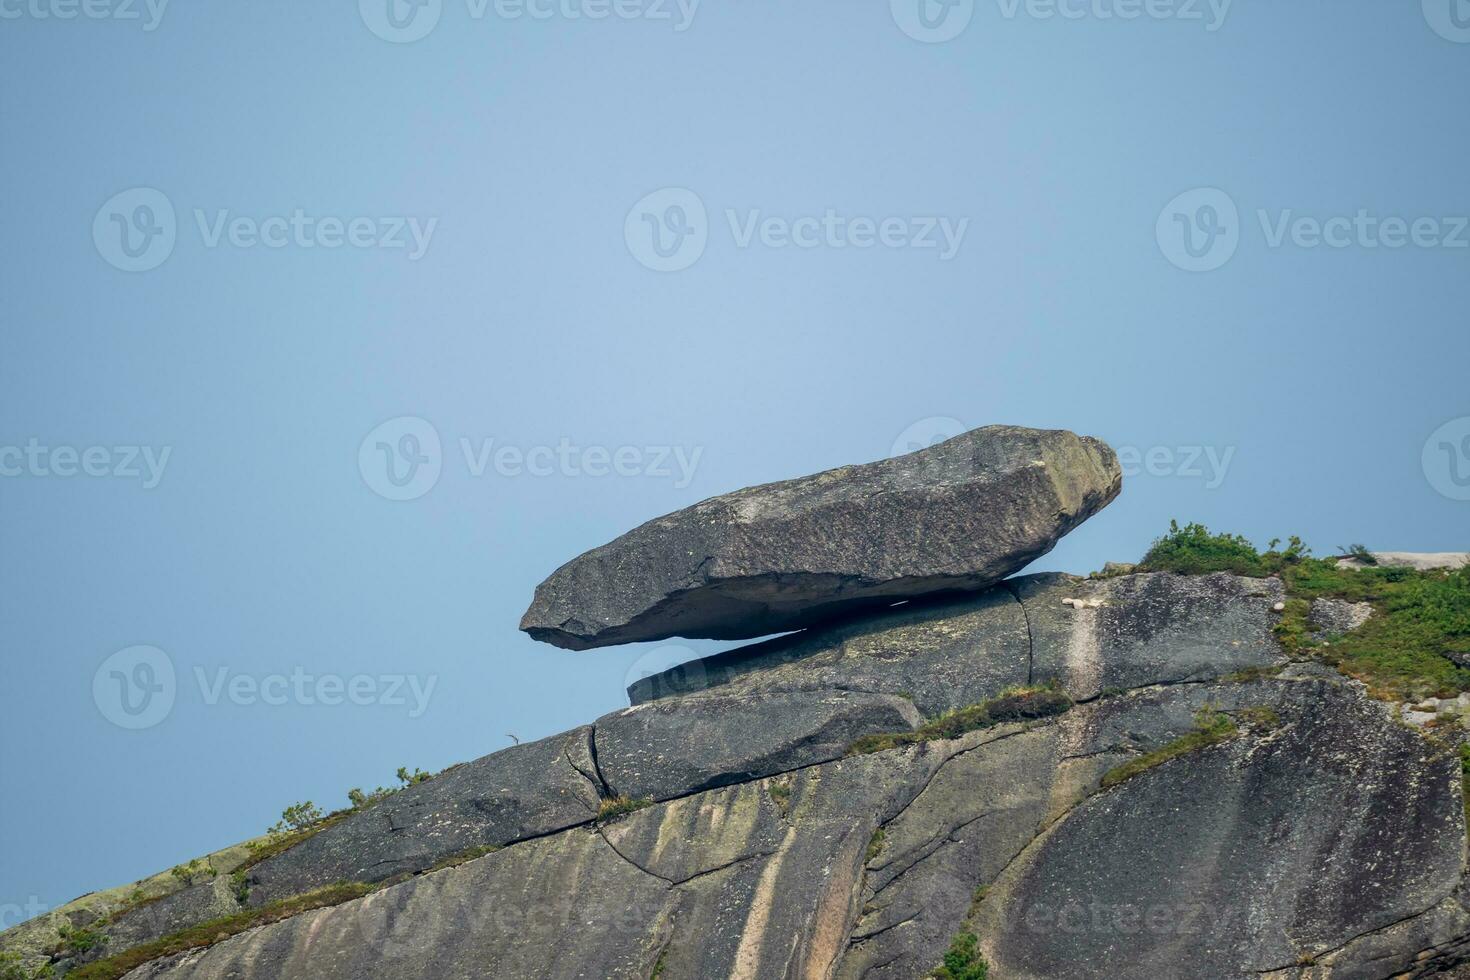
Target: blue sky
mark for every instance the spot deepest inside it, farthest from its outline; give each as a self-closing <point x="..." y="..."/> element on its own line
<point x="567" y="272"/>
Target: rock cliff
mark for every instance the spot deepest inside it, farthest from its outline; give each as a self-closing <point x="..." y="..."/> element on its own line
<point x="1130" y="775"/>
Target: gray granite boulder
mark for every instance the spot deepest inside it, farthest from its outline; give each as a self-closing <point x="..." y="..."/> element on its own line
<point x="939" y="654"/>
<point x="958" y="516"/>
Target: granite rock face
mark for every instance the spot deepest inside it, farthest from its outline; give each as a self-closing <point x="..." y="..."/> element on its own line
<point x="958" y="516"/>
<point x="1321" y="838"/>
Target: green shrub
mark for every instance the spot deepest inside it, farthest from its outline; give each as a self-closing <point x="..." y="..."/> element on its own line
<point x="297" y="816"/>
<point x="1406" y="651"/>
<point x="963" y="960"/>
<point x="80" y="939"/>
<point x="187" y="874"/>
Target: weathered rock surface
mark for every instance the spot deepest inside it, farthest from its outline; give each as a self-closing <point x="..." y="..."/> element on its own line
<point x="1329" y="617"/>
<point x="1280" y="844"/>
<point x="939" y="654"/>
<point x="1088" y="635"/>
<point x="1422" y="560"/>
<point x="1322" y="839"/>
<point x="959" y="516"/>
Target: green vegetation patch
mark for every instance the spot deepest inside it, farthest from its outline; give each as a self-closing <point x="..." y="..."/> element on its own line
<point x="1211" y="728"/>
<point x="1017" y="704"/>
<point x="12" y="967"/>
<point x="1403" y="653"/>
<point x="215" y="930"/>
<point x="963" y="960"/>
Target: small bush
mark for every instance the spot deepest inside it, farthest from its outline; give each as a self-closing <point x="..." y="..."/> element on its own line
<point x="963" y="960"/>
<point x="876" y="842"/>
<point x="80" y="939"/>
<point x="618" y="806"/>
<point x="187" y="874"/>
<point x="298" y="816"/>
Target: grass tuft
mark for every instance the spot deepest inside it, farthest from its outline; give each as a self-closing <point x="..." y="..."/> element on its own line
<point x="1019" y="704"/>
<point x="614" y="807"/>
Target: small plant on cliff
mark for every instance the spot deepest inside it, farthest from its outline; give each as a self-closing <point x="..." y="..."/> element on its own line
<point x="963" y="960"/>
<point x="80" y="939"/>
<point x="12" y="967"/>
<point x="876" y="842"/>
<point x="297" y="816"/>
<point x="1017" y="704"/>
<point x="614" y="807"/>
<point x="413" y="778"/>
<point x="1360" y="552"/>
<point x="187" y="874"/>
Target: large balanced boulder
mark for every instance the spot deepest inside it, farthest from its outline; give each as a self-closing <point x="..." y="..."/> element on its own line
<point x="956" y="517"/>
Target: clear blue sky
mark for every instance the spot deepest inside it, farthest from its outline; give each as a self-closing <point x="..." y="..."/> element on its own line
<point x="1051" y="148"/>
